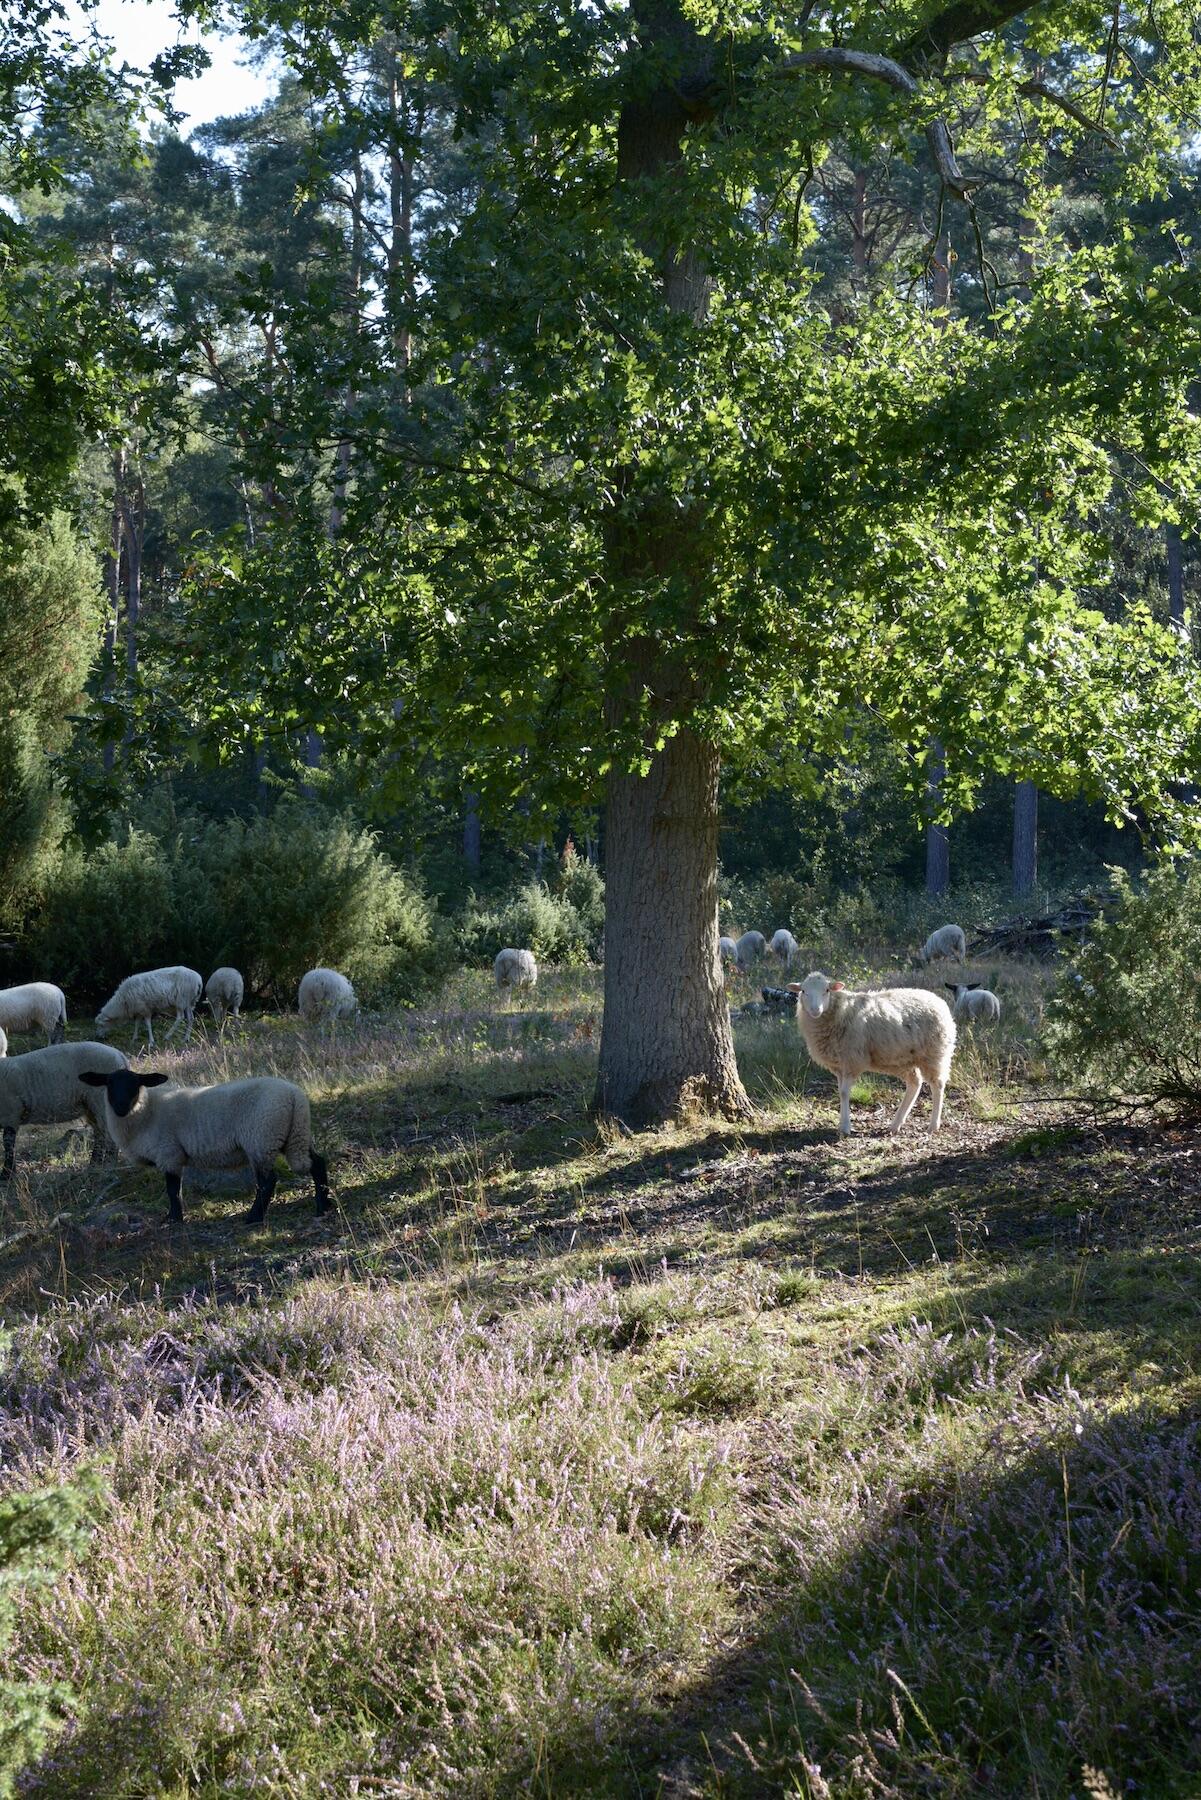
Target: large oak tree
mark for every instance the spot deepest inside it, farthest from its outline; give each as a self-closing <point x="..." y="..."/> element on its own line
<point x="648" y="508"/>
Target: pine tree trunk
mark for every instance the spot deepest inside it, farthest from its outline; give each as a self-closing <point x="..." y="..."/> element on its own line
<point x="1025" y="838"/>
<point x="938" y="841"/>
<point x="472" y="835"/>
<point x="666" y="1045"/>
<point x="1175" y="559"/>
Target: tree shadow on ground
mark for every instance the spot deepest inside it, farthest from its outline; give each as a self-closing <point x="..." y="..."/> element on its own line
<point x="989" y="1626"/>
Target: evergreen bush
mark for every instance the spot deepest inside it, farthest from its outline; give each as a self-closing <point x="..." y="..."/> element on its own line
<point x="1125" y="1016"/>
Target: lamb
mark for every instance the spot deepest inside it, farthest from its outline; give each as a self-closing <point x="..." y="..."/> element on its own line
<point x="325" y="996"/>
<point x="37" y="1006"/>
<point x="729" y="950"/>
<point x="147" y="995"/>
<point x="515" y="969"/>
<point x="948" y="941"/>
<point x="230" y="1126"/>
<point x="223" y="991"/>
<point x="906" y="1032"/>
<point x="42" y="1088"/>
<point x="975" y="1002"/>
<point x="784" y="946"/>
<point x="749" y="948"/>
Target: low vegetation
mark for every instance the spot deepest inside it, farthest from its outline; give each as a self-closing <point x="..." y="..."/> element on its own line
<point x="720" y="1461"/>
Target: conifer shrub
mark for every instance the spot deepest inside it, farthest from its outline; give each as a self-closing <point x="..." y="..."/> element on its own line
<point x="1125" y="1016"/>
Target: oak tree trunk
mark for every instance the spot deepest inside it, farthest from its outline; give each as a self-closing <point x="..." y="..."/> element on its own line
<point x="666" y="1044"/>
<point x="472" y="835"/>
<point x="938" y="841"/>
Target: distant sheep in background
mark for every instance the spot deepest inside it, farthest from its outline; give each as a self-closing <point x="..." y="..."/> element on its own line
<point x="906" y="1032"/>
<point x="729" y="950"/>
<point x="3" y="1042"/>
<point x="150" y="995"/>
<point x="947" y="942"/>
<point x="785" y="947"/>
<point x="325" y="996"/>
<point x="515" y="969"/>
<point x="749" y="948"/>
<point x="223" y="991"/>
<point x="975" y="1002"/>
<point x="37" y="1006"/>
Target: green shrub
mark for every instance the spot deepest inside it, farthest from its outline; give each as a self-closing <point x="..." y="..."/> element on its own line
<point x="38" y="1531"/>
<point x="534" y="919"/>
<point x="109" y="911"/>
<point x="284" y="892"/>
<point x="581" y="886"/>
<point x="274" y="896"/>
<point x="1125" y="1016"/>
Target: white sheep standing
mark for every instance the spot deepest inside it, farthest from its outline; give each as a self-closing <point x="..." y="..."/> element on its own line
<point x="42" y="1088"/>
<point x="230" y="1126"/>
<point x="325" y="996"/>
<point x="36" y="1006"/>
<point x="223" y="991"/>
<point x="948" y="941"/>
<point x="515" y="969"/>
<point x="3" y="1041"/>
<point x="149" y="995"/>
<point x="749" y="948"/>
<point x="906" y="1032"/>
<point x="975" y="1002"/>
<point x="728" y="949"/>
<point x="785" y="947"/>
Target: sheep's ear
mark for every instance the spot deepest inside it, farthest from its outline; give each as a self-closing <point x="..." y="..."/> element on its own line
<point x="794" y="987"/>
<point x="153" y="1080"/>
<point x="94" y="1080"/>
<point x="836" y="987"/>
<point x="973" y="987"/>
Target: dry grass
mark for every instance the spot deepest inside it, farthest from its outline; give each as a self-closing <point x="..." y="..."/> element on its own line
<point x="715" y="1461"/>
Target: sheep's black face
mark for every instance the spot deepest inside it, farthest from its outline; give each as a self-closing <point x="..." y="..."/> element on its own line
<point x="123" y="1087"/>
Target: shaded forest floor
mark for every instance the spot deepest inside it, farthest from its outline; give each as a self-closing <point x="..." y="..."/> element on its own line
<point x="711" y="1462"/>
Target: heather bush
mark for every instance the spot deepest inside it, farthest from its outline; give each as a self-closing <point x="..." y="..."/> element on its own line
<point x="110" y="911"/>
<point x="534" y="919"/>
<point x="1125" y="1016"/>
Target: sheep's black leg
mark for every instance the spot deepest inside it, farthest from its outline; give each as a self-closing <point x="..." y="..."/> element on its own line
<point x="174" y="1204"/>
<point x="264" y="1187"/>
<point x="320" y="1173"/>
<point x="10" y="1152"/>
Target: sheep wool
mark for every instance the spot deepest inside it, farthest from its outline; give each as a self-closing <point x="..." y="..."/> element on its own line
<point x="325" y="996"/>
<point x="906" y="1032"/>
<point x="729" y="950"/>
<point x="515" y="969"/>
<point x="785" y="947"/>
<point x="230" y="1126"/>
<point x="3" y="1042"/>
<point x="150" y="994"/>
<point x="749" y="948"/>
<point x="36" y="1006"/>
<point x="223" y="991"/>
<point x="43" y="1088"/>
<point x="947" y="942"/>
<point x="976" y="1003"/>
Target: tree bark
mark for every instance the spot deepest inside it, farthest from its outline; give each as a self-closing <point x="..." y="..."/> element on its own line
<point x="666" y="1044"/>
<point x="938" y="842"/>
<point x="1175" y="559"/>
<point x="1025" y="838"/>
<point x="112" y="588"/>
<point x="472" y="835"/>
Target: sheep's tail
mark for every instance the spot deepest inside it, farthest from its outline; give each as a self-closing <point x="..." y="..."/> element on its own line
<point x="60" y="1025"/>
<point x="297" y="1144"/>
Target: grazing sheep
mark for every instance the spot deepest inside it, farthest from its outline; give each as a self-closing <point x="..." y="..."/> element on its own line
<point x="948" y="941"/>
<point x="515" y="969"/>
<point x="37" y="1006"/>
<point x="223" y="991"/>
<point x="42" y="1088"/>
<point x="325" y="996"/>
<point x="906" y="1032"/>
<point x="729" y="950"/>
<point x="785" y="947"/>
<point x="749" y="948"/>
<point x="231" y="1126"/>
<point x="150" y="994"/>
<point x="975" y="1002"/>
<point x="3" y="1041"/>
